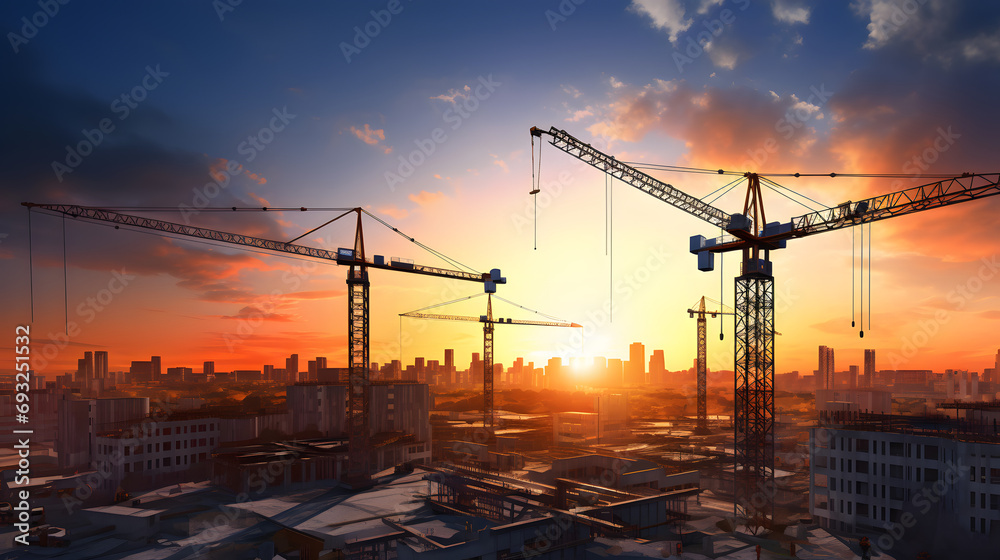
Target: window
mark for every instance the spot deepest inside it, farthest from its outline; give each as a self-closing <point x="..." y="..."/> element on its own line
<point x="833" y="484"/>
<point x="972" y="524"/>
<point x="861" y="467"/>
<point x="896" y="471"/>
<point x="849" y="508"/>
<point x="994" y="501"/>
<point x="157" y="447"/>
<point x="166" y="446"/>
<point x="982" y="475"/>
<point x="918" y="450"/>
<point x="861" y="446"/>
<point x="972" y="499"/>
<point x="166" y="461"/>
<point x="896" y="493"/>
<point x="127" y="451"/>
<point x="994" y="476"/>
<point x="930" y="475"/>
<point x="861" y="509"/>
<point x="982" y="501"/>
<point x="166" y="431"/>
<point x="861" y="488"/>
<point x="849" y="465"/>
<point x="896" y="449"/>
<point x="149" y="464"/>
<point x="931" y="452"/>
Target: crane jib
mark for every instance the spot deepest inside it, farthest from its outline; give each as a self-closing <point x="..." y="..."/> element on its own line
<point x="642" y="181"/>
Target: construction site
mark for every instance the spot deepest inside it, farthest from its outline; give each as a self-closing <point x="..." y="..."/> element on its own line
<point x="652" y="398"/>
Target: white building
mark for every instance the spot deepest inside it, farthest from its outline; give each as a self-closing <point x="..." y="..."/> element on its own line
<point x="862" y="480"/>
<point x="394" y="407"/>
<point x="156" y="453"/>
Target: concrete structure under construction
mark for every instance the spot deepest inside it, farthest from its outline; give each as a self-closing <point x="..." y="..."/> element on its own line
<point x="887" y="475"/>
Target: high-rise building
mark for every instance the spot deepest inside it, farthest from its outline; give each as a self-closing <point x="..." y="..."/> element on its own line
<point x="208" y="368"/>
<point x="852" y="379"/>
<point x="101" y="364"/>
<point x="869" y="368"/>
<point x="141" y="372"/>
<point x="831" y="370"/>
<point x="292" y="368"/>
<point x="636" y="369"/>
<point x="821" y="375"/>
<point x="157" y="371"/>
<point x="657" y="368"/>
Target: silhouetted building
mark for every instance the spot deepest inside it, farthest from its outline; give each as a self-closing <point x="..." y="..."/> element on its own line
<point x="635" y="371"/>
<point x="869" y="368"/>
<point x="101" y="364"/>
<point x="657" y="368"/>
<point x="292" y="368"/>
<point x="141" y="372"/>
<point x="157" y="370"/>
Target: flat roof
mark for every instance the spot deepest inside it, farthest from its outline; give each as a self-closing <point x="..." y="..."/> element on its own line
<point x="125" y="511"/>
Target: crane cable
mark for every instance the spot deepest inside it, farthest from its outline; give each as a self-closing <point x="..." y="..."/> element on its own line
<point x="65" y="277"/>
<point x="862" y="332"/>
<point x="611" y="243"/>
<point x="31" y="272"/>
<point x="722" y="294"/>
<point x="869" y="276"/>
<point x="853" y="262"/>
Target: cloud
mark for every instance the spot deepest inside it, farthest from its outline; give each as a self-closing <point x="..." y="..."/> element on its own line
<point x="667" y="15"/>
<point x="719" y="126"/>
<point x="790" y="11"/>
<point x="371" y="136"/>
<point x="615" y="83"/>
<point x="500" y="163"/>
<point x="424" y="198"/>
<point x="943" y="30"/>
<point x="255" y="313"/>
<point x="454" y="94"/>
<point x="572" y="91"/>
<point x="580" y="115"/>
<point x="394" y="212"/>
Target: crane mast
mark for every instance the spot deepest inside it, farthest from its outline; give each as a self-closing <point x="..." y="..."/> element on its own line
<point x="751" y="234"/>
<point x="488" y="326"/>
<point x="358" y="322"/>
<point x="702" y="359"/>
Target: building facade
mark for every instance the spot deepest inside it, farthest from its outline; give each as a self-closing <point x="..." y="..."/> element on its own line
<point x="880" y="481"/>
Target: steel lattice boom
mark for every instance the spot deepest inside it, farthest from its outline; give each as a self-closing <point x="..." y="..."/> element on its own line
<point x="649" y="185"/>
<point x="357" y="303"/>
<point x="488" y="325"/>
<point x="750" y="233"/>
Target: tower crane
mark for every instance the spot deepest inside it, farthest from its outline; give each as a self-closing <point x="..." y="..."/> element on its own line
<point x="359" y="442"/>
<point x="751" y="235"/>
<point x="702" y="359"/>
<point x="488" y="324"/>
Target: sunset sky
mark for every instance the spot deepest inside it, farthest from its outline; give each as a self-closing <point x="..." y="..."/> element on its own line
<point x="318" y="105"/>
